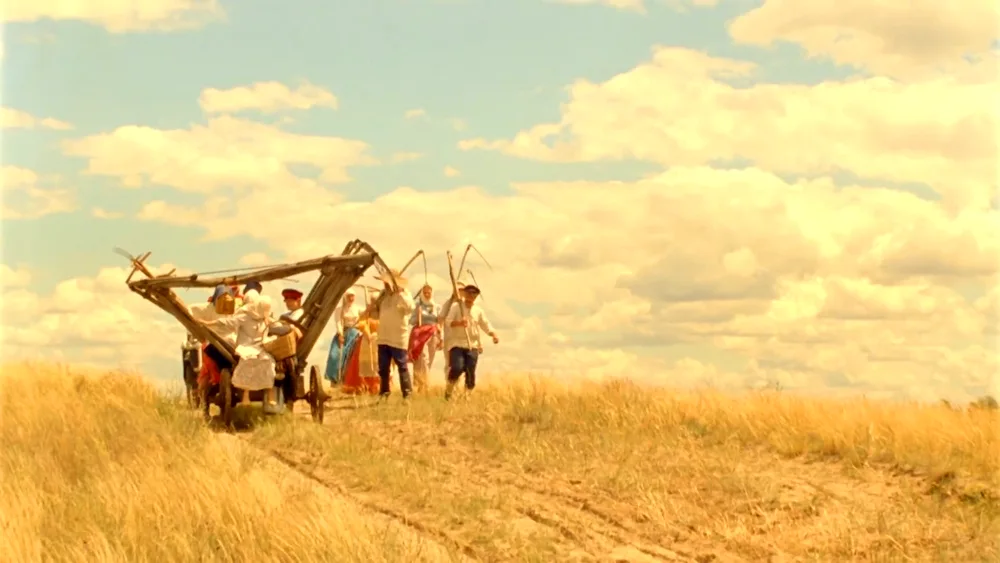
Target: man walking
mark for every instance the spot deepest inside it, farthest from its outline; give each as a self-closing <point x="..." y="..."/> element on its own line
<point x="394" y="333"/>
<point x="466" y="320"/>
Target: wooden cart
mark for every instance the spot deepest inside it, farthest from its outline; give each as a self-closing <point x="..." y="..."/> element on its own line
<point x="337" y="274"/>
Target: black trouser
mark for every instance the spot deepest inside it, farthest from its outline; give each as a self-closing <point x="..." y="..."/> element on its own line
<point x="463" y="360"/>
<point x="217" y="357"/>
<point x="388" y="355"/>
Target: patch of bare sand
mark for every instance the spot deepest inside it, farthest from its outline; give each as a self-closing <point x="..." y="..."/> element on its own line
<point x="686" y="500"/>
<point x="288" y="478"/>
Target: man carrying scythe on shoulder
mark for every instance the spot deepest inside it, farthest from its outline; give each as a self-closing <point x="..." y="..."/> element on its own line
<point x="466" y="320"/>
<point x="393" y="315"/>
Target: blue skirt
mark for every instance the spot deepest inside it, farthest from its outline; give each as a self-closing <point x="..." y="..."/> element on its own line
<point x="336" y="362"/>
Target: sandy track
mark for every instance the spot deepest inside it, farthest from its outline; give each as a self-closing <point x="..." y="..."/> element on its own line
<point x="586" y="531"/>
<point x="798" y="500"/>
<point x="433" y="544"/>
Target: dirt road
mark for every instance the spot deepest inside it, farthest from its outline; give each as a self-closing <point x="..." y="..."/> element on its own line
<point x="425" y="469"/>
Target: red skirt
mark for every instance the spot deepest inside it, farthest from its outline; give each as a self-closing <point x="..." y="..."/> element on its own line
<point x="420" y="336"/>
<point x="354" y="384"/>
<point x="210" y="373"/>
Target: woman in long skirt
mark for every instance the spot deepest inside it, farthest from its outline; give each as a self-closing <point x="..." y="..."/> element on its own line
<point x="347" y="315"/>
<point x="342" y="355"/>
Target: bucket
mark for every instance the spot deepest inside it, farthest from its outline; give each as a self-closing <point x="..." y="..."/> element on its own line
<point x="225" y="305"/>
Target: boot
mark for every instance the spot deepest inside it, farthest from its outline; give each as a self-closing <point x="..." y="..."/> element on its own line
<point x="449" y="389"/>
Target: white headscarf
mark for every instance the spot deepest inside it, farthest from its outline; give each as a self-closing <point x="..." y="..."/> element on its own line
<point x="423" y="301"/>
<point x="257" y="305"/>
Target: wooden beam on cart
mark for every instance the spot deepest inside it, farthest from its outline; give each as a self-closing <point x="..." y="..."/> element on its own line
<point x="267" y="274"/>
<point x="170" y="303"/>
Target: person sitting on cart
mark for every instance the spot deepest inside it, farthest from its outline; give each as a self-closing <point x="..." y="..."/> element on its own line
<point x="293" y="302"/>
<point x="255" y="369"/>
<point x="213" y="360"/>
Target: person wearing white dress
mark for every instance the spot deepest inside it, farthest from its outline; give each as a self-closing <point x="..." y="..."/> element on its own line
<point x="255" y="369"/>
<point x="345" y="317"/>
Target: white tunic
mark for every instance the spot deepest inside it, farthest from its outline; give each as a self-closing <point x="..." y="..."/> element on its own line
<point x="295" y="314"/>
<point x="256" y="368"/>
<point x="345" y="317"/>
<point x="478" y="323"/>
<point x="205" y="313"/>
<point x="394" y="320"/>
<point x="279" y="328"/>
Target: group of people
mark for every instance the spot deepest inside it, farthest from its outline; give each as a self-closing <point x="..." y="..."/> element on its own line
<point x="408" y="330"/>
<point x="405" y="329"/>
<point x="249" y="327"/>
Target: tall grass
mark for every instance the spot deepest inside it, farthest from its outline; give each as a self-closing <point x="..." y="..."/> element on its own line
<point x="101" y="467"/>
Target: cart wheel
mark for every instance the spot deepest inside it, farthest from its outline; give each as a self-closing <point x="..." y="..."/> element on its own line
<point x="226" y="396"/>
<point x="316" y="396"/>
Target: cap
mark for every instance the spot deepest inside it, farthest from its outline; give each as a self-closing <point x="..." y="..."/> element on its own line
<point x="291" y="293"/>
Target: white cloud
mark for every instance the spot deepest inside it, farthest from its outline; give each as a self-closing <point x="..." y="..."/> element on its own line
<point x="11" y="278"/>
<point x="265" y="97"/>
<point x="808" y="283"/>
<point x="87" y="318"/>
<point x="451" y="172"/>
<point x="225" y="152"/>
<point x="401" y="157"/>
<point x="459" y="124"/>
<point x="16" y="119"/>
<point x="898" y="39"/>
<point x="101" y="213"/>
<point x="639" y="6"/>
<point x="679" y="109"/>
<point x="119" y="16"/>
<point x="781" y="270"/>
<point x="415" y="113"/>
<point x="254" y="259"/>
<point x="634" y="5"/>
<point x="26" y="196"/>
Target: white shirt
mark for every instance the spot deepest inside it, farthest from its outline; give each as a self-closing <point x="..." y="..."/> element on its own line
<point x="279" y="328"/>
<point x="249" y="323"/>
<point x="347" y="317"/>
<point x="205" y="312"/>
<point x="445" y="309"/>
<point x="294" y="315"/>
<point x="394" y="320"/>
<point x="478" y="323"/>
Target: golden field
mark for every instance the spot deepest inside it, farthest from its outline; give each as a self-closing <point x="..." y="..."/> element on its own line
<point x="102" y="467"/>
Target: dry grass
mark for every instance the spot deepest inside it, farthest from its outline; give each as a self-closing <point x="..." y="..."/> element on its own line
<point x="104" y="469"/>
<point x="701" y="474"/>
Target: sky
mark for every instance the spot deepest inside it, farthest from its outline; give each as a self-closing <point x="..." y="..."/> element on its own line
<point x="723" y="193"/>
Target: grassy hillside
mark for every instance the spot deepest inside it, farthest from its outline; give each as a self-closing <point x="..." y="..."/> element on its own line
<point x="98" y="467"/>
<point x="102" y="468"/>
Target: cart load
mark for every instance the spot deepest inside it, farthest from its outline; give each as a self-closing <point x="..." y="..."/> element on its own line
<point x="337" y="273"/>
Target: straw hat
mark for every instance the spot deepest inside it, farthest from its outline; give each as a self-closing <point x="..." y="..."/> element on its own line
<point x="393" y="274"/>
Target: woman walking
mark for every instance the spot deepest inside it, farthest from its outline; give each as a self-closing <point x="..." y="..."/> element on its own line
<point x="342" y="356"/>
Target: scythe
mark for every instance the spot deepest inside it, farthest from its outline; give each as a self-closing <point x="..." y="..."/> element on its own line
<point x="461" y="265"/>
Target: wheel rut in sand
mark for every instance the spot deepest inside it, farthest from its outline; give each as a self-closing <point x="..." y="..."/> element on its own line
<point x="584" y="531"/>
<point x="436" y="544"/>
